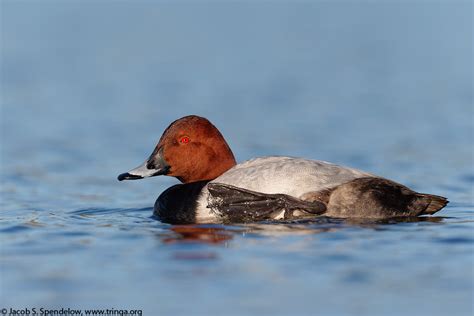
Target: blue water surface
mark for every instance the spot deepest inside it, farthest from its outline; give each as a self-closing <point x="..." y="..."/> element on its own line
<point x="89" y="86"/>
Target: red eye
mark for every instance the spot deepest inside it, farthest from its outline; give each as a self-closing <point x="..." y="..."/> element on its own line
<point x="184" y="140"/>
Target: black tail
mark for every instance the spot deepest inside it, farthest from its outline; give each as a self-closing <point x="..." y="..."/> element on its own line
<point x="434" y="203"/>
<point x="381" y="198"/>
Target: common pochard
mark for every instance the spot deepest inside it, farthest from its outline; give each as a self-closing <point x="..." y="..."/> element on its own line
<point x="216" y="189"/>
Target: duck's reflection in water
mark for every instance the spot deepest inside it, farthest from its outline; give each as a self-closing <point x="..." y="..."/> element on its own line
<point x="198" y="234"/>
<point x="222" y="234"/>
<point x="191" y="236"/>
<point x="381" y="223"/>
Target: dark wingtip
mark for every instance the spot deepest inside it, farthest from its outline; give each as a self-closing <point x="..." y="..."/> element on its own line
<point x="128" y="176"/>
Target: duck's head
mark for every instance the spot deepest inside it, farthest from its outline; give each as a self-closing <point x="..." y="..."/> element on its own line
<point x="190" y="149"/>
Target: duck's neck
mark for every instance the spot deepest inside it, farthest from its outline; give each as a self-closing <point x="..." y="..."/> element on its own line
<point x="217" y="164"/>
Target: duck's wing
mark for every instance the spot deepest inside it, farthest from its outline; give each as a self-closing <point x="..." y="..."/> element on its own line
<point x="241" y="205"/>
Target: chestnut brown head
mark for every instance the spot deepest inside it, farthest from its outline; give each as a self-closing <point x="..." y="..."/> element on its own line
<point x="190" y="149"/>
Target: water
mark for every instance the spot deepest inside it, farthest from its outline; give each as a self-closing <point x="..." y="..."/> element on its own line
<point x="88" y="87"/>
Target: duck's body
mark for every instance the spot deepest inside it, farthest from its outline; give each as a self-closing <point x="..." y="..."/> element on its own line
<point x="287" y="175"/>
<point x="271" y="188"/>
<point x="296" y="177"/>
<point x="216" y="189"/>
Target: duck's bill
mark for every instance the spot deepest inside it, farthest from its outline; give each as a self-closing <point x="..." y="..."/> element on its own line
<point x="140" y="172"/>
<point x="155" y="165"/>
<point x="143" y="171"/>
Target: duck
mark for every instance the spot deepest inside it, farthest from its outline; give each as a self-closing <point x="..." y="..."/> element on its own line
<point x="215" y="188"/>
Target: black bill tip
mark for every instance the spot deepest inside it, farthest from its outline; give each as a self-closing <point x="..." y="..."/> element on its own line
<point x="128" y="176"/>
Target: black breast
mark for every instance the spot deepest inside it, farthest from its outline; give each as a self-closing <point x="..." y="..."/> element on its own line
<point x="177" y="204"/>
